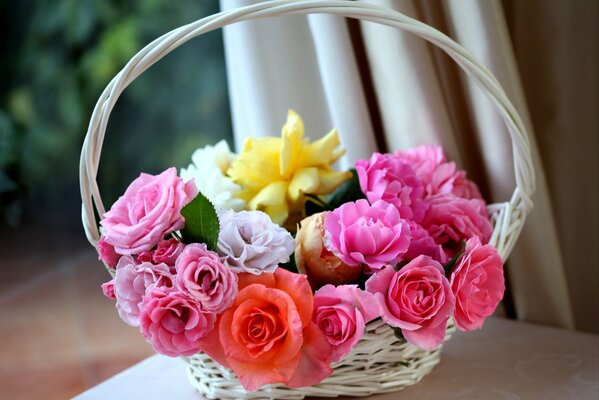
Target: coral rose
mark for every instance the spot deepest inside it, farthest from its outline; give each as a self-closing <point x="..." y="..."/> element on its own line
<point x="386" y="177"/>
<point x="268" y="336"/>
<point x="173" y="323"/>
<point x="313" y="259"/>
<point x="341" y="313"/>
<point x="477" y="284"/>
<point x="149" y="209"/>
<point x="360" y="233"/>
<point x="202" y="275"/>
<point x="417" y="299"/>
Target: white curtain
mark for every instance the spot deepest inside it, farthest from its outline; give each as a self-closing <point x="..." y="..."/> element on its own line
<point x="308" y="63"/>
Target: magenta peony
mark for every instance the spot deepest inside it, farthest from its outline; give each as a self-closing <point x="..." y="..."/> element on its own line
<point x="341" y="313"/>
<point x="360" y="233"/>
<point x="173" y="323"/>
<point x="202" y="275"/>
<point x="149" y="209"/>
<point x="417" y="299"/>
<point x="386" y="177"/>
<point x="477" y="284"/>
<point x="131" y="283"/>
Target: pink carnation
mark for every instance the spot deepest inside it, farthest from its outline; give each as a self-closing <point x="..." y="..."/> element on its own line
<point x="360" y="233"/>
<point x="341" y="313"/>
<point x="452" y="220"/>
<point x="149" y="209"/>
<point x="202" y="275"/>
<point x="132" y="281"/>
<point x="107" y="254"/>
<point x="386" y="177"/>
<point x="174" y="323"/>
<point x="436" y="174"/>
<point x="477" y="284"/>
<point x="417" y="299"/>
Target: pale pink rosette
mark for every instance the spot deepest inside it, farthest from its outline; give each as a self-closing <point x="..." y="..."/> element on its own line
<point x="173" y="323"/>
<point x="417" y="299"/>
<point x="478" y="284"/>
<point x="149" y="209"/>
<point x="360" y="233"/>
<point x="436" y="174"/>
<point x="107" y="254"/>
<point x="341" y="313"/>
<point x="452" y="220"/>
<point x="131" y="282"/>
<point x="202" y="275"/>
<point x="387" y="177"/>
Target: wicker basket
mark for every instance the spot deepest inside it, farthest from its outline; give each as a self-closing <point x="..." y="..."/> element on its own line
<point x="380" y="362"/>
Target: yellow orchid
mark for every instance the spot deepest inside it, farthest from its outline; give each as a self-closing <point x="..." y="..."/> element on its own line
<point x="277" y="173"/>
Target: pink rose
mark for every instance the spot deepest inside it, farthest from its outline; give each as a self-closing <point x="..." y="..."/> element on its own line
<point x="417" y="299"/>
<point x="452" y="220"/>
<point x="422" y="243"/>
<point x="477" y="284"/>
<point x="108" y="289"/>
<point x="360" y="233"/>
<point x="202" y="275"/>
<point x="107" y="254"/>
<point x="341" y="313"/>
<point x="386" y="177"/>
<point x="149" y="209"/>
<point x="132" y="281"/>
<point x="436" y="174"/>
<point x="173" y="323"/>
<point x="167" y="252"/>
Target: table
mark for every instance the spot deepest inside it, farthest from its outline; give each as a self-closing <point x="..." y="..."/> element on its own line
<point x="506" y="360"/>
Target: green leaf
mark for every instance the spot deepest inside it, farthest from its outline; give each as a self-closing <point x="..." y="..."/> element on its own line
<point x="398" y="334"/>
<point x="450" y="264"/>
<point x="349" y="191"/>
<point x="201" y="222"/>
<point x="290" y="265"/>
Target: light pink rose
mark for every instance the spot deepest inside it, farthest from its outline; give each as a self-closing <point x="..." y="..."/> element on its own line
<point x="149" y="209"/>
<point x="477" y="284"/>
<point x="417" y="299"/>
<point x="108" y="289"/>
<point x="452" y="220"/>
<point x="436" y="174"/>
<point x="173" y="323"/>
<point x="422" y="243"/>
<point x="107" y="254"/>
<point x="132" y="281"/>
<point x="360" y="233"/>
<point x="341" y="313"/>
<point x="202" y="275"/>
<point x="386" y="177"/>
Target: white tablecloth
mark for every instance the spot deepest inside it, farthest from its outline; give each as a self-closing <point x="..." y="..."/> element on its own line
<point x="506" y="360"/>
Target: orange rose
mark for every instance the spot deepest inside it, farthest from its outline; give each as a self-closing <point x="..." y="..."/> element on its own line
<point x="267" y="336"/>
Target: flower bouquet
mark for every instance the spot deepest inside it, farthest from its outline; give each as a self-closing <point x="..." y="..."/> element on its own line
<point x="281" y="272"/>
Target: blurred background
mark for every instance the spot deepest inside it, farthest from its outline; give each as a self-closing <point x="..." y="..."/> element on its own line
<point x="383" y="89"/>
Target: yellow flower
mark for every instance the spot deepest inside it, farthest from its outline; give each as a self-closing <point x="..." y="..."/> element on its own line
<point x="277" y="173"/>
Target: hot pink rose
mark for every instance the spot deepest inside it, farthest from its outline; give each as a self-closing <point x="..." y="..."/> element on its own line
<point x="341" y="313"/>
<point x="360" y="233"/>
<point x="451" y="220"/>
<point x="477" y="284"/>
<point x="436" y="174"/>
<point x="417" y="298"/>
<point x="132" y="281"/>
<point x="108" y="289"/>
<point x="422" y="243"/>
<point x="173" y="323"/>
<point x="386" y="177"/>
<point x="149" y="209"/>
<point x="202" y="275"/>
<point x="107" y="254"/>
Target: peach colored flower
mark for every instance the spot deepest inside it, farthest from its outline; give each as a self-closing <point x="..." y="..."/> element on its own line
<point x="267" y="336"/>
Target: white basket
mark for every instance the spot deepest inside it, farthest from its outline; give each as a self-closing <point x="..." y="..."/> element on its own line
<point x="379" y="363"/>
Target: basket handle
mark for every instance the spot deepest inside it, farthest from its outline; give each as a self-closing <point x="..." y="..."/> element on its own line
<point x="508" y="217"/>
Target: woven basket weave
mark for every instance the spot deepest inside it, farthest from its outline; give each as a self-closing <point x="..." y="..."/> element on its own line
<point x="380" y="362"/>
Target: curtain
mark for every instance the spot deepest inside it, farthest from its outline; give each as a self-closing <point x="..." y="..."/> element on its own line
<point x="387" y="90"/>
